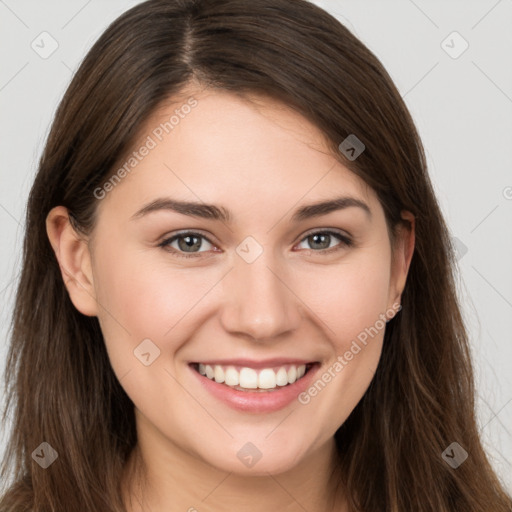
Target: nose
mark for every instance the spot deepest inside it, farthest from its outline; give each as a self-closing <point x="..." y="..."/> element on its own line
<point x="260" y="303"/>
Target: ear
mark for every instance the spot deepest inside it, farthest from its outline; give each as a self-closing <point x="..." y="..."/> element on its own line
<point x="72" y="252"/>
<point x="403" y="251"/>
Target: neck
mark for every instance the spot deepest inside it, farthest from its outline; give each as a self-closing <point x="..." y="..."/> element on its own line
<point x="160" y="476"/>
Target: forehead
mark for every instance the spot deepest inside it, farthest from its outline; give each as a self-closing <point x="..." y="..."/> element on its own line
<point x="253" y="154"/>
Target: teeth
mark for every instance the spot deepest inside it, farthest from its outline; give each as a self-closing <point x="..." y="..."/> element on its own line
<point x="248" y="378"/>
<point x="232" y="376"/>
<point x="282" y="377"/>
<point x="209" y="371"/>
<point x="292" y="374"/>
<point x="267" y="379"/>
<point x="218" y="373"/>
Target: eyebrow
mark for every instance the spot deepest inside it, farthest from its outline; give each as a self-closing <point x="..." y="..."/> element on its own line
<point x="220" y="213"/>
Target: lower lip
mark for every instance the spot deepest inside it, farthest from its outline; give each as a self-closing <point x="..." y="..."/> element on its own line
<point x="257" y="401"/>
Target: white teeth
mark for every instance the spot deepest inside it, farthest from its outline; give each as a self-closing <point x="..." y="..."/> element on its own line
<point x="248" y="378"/>
<point x="232" y="377"/>
<point x="267" y="379"/>
<point x="282" y="377"/>
<point x="218" y="373"/>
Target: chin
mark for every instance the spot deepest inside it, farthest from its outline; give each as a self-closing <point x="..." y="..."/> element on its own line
<point x="255" y="459"/>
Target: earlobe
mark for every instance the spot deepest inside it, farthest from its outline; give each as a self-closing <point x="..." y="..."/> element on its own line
<point x="403" y="252"/>
<point x="73" y="256"/>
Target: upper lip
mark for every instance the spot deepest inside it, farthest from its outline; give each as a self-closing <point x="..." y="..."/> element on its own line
<point x="252" y="363"/>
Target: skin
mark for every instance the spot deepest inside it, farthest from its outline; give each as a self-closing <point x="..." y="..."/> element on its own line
<point x="262" y="161"/>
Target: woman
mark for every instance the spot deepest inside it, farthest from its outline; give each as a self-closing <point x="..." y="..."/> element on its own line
<point x="180" y="342"/>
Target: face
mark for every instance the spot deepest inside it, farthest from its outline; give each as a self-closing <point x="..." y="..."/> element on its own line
<point x="290" y="307"/>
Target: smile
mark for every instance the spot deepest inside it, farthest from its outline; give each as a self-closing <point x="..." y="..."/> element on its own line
<point x="253" y="386"/>
<point x="245" y="378"/>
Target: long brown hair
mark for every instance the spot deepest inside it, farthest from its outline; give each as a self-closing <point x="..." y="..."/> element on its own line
<point x="60" y="386"/>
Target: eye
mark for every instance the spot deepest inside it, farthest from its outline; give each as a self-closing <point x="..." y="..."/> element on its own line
<point x="187" y="241"/>
<point x="321" y="240"/>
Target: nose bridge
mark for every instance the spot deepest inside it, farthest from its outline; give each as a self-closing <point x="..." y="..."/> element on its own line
<point x="259" y="302"/>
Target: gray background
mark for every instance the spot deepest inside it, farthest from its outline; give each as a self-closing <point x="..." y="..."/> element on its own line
<point x="462" y="107"/>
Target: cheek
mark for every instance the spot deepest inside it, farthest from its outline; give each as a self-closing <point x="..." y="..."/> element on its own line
<point x="350" y="307"/>
<point x="350" y="296"/>
<point x="142" y="297"/>
<point x="358" y="324"/>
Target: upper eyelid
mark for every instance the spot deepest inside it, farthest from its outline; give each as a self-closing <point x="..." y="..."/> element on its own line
<point x="167" y="238"/>
<point x="336" y="231"/>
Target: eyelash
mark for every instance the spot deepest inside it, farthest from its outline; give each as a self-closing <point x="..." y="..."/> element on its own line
<point x="345" y="243"/>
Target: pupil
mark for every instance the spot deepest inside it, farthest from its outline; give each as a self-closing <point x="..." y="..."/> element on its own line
<point x="324" y="245"/>
<point x="189" y="244"/>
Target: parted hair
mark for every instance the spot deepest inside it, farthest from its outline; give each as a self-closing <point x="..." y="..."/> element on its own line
<point x="60" y="386"/>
